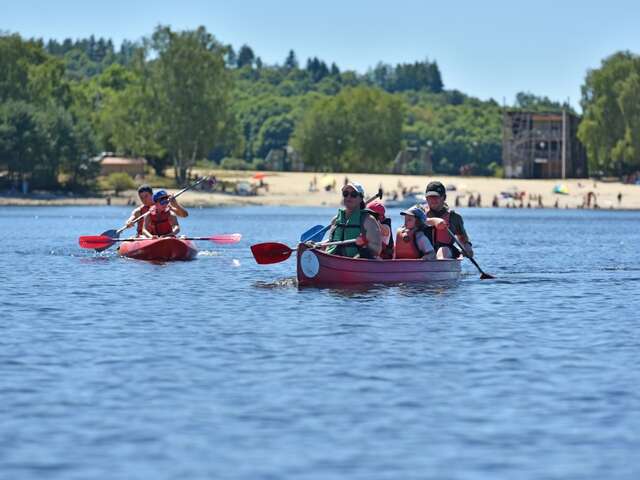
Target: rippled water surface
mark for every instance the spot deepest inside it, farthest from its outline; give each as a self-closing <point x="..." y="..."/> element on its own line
<point x="220" y="368"/>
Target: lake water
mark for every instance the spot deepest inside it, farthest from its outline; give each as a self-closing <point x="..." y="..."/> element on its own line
<point x="221" y="368"/>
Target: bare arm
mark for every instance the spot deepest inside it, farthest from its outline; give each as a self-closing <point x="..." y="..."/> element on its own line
<point x="175" y="228"/>
<point x="374" y="237"/>
<point x="145" y="227"/>
<point x="178" y="209"/>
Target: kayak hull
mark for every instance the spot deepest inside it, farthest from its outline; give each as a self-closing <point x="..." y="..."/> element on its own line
<point x="159" y="249"/>
<point x="316" y="268"/>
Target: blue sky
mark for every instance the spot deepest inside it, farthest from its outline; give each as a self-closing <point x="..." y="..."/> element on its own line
<point x="489" y="49"/>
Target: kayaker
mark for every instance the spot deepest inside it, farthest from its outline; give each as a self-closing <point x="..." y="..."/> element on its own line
<point x="411" y="240"/>
<point x="377" y="209"/>
<point x="437" y="208"/>
<point x="162" y="219"/>
<point x="355" y="222"/>
<point x="145" y="194"/>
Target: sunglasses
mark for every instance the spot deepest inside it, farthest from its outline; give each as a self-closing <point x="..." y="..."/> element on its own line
<point x="163" y="200"/>
<point x="351" y="194"/>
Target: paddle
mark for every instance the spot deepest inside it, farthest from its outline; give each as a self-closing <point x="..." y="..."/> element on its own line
<point x="104" y="241"/>
<point x="116" y="233"/>
<point x="483" y="275"/>
<point x="274" y="252"/>
<point x="317" y="232"/>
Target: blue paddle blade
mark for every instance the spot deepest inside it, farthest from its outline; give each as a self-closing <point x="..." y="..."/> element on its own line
<point x="306" y="236"/>
<point x="319" y="235"/>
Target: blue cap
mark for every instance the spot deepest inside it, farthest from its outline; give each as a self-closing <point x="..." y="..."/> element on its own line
<point x="160" y="194"/>
<point x="417" y="212"/>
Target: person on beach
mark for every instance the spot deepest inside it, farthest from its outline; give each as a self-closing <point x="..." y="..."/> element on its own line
<point x="145" y="194"/>
<point x="411" y="240"/>
<point x="437" y="208"/>
<point x="378" y="211"/>
<point x="354" y="222"/>
<point x="162" y="219"/>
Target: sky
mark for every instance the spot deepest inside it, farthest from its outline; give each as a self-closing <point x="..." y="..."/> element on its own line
<point x="488" y="49"/>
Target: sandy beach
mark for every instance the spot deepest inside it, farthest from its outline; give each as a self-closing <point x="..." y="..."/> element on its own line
<point x="293" y="189"/>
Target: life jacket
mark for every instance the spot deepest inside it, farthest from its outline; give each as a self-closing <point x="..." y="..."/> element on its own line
<point x="406" y="246"/>
<point x="160" y="223"/>
<point x="440" y="238"/>
<point x="346" y="229"/>
<point x="141" y="211"/>
<point x="387" y="248"/>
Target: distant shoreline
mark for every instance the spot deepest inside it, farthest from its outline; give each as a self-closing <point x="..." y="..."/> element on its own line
<point x="293" y="189"/>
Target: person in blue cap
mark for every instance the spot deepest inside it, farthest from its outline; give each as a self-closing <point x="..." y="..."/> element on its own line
<point x="145" y="194"/>
<point x="162" y="219"/>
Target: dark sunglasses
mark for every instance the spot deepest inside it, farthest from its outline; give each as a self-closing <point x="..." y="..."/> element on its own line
<point x="351" y="194"/>
<point x="163" y="200"/>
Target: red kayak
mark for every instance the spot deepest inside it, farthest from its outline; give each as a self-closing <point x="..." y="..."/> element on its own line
<point x="159" y="249"/>
<point x="316" y="267"/>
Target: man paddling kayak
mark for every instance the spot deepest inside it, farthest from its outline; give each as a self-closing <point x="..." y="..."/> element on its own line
<point x="437" y="208"/>
<point x="162" y="219"/>
<point x="145" y="194"/>
<point x="355" y="222"/>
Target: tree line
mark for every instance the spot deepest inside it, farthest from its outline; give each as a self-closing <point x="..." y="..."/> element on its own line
<point x="182" y="97"/>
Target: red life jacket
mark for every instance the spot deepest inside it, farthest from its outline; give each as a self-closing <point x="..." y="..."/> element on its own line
<point x="160" y="223"/>
<point x="141" y="211"/>
<point x="441" y="237"/>
<point x="405" y="246"/>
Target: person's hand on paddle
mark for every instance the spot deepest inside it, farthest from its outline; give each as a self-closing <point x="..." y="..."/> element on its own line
<point x="468" y="249"/>
<point x="361" y="241"/>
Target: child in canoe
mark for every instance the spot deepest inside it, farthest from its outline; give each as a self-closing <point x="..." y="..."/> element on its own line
<point x="378" y="211"/>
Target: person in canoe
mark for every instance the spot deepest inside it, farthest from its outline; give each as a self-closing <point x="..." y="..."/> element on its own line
<point x="355" y="222"/>
<point x="411" y="239"/>
<point x="436" y="210"/>
<point x="376" y="208"/>
<point x="162" y="219"/>
<point x="145" y="194"/>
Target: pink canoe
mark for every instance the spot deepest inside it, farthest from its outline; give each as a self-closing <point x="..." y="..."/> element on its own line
<point x="316" y="267"/>
<point x="159" y="249"/>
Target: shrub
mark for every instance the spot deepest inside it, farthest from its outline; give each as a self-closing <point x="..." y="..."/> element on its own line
<point x="120" y="181"/>
<point x="234" y="164"/>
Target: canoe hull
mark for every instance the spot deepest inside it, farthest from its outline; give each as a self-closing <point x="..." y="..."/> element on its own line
<point x="315" y="268"/>
<point x="159" y="249"/>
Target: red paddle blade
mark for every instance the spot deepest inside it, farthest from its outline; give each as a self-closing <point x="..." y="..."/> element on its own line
<point x="226" y="238"/>
<point x="270" y="252"/>
<point x="95" y="241"/>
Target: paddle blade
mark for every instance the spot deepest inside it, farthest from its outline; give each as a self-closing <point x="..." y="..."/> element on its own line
<point x="115" y="234"/>
<point x="270" y="252"/>
<point x="226" y="238"/>
<point x="97" y="242"/>
<point x="486" y="276"/>
<point x="320" y="234"/>
<point x="308" y="235"/>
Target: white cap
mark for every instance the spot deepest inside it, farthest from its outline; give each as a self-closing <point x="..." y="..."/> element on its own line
<point x="356" y="186"/>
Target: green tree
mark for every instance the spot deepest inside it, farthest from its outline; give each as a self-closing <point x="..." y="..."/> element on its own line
<point x="610" y="129"/>
<point x="359" y="129"/>
<point x="190" y="95"/>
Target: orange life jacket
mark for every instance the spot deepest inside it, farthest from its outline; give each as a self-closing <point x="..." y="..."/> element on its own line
<point x="144" y="209"/>
<point x="406" y="244"/>
<point x="441" y="237"/>
<point x="160" y="221"/>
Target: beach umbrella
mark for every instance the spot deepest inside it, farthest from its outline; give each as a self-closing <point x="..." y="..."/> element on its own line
<point x="259" y="176"/>
<point x="561" y="189"/>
